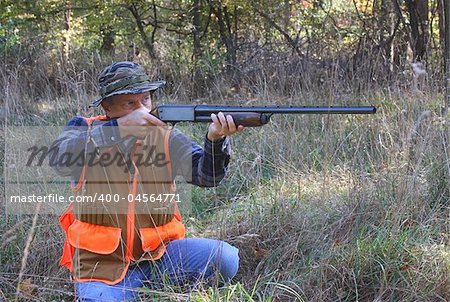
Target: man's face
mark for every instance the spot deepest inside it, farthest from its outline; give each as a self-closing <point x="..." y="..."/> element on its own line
<point x="122" y="104"/>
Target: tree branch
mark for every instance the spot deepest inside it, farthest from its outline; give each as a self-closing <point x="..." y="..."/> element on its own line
<point x="291" y="41"/>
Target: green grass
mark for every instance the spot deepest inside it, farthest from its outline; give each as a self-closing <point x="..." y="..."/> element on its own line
<point x="338" y="208"/>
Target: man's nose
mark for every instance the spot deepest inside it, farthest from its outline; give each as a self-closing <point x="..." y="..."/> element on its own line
<point x="138" y="105"/>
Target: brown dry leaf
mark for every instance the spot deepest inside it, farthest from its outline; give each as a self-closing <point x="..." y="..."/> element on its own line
<point x="259" y="252"/>
<point x="405" y="267"/>
<point x="336" y="242"/>
<point x="28" y="289"/>
<point x="341" y="293"/>
<point x="408" y="223"/>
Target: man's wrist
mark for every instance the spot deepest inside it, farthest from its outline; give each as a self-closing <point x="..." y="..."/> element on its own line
<point x="214" y="138"/>
<point x="217" y="147"/>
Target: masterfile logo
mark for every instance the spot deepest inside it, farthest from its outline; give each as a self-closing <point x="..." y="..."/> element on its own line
<point x="39" y="176"/>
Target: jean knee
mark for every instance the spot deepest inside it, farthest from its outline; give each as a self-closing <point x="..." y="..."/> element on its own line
<point x="229" y="261"/>
<point x="101" y="292"/>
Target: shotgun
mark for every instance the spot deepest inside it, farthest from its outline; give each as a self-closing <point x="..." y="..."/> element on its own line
<point x="248" y="116"/>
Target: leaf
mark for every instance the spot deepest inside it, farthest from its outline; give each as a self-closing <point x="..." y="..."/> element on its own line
<point x="28" y="289"/>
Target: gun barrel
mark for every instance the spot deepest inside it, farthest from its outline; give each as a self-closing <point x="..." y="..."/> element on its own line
<point x="252" y="116"/>
<point x="207" y="110"/>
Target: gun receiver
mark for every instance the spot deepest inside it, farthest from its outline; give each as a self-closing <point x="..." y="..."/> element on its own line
<point x="248" y="116"/>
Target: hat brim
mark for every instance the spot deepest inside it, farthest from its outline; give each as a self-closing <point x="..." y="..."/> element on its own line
<point x="135" y="90"/>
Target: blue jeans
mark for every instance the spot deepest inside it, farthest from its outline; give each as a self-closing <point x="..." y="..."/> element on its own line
<point x="186" y="263"/>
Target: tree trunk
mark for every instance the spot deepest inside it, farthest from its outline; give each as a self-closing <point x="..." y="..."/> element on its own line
<point x="67" y="29"/>
<point x="390" y="46"/>
<point x="286" y="14"/>
<point x="148" y="43"/>
<point x="418" y="19"/>
<point x="227" y="37"/>
<point x="447" y="51"/>
<point x="108" y="39"/>
<point x="197" y="47"/>
<point x="441" y="24"/>
<point x="196" y="22"/>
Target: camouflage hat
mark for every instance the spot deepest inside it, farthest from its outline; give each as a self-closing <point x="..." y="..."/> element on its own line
<point x="124" y="78"/>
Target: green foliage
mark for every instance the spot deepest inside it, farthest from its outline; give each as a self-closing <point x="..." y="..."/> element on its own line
<point x="165" y="31"/>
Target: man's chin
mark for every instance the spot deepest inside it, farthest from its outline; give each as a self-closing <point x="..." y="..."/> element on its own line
<point x="117" y="115"/>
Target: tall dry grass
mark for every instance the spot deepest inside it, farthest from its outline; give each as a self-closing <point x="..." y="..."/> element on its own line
<point x="323" y="208"/>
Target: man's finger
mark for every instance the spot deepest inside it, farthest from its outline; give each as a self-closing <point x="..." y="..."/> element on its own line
<point x="223" y="122"/>
<point x="153" y="120"/>
<point x="215" y="120"/>
<point x="231" y="124"/>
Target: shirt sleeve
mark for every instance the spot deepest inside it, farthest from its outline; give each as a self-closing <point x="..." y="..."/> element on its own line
<point x="69" y="149"/>
<point x="204" y="167"/>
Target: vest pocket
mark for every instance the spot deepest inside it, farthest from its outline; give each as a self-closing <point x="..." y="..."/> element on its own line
<point x="94" y="238"/>
<point x="152" y="238"/>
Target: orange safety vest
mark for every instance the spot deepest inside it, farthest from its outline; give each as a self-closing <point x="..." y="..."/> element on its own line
<point x="102" y="239"/>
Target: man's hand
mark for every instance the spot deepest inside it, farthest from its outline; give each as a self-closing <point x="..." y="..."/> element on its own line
<point x="222" y="126"/>
<point x="137" y="123"/>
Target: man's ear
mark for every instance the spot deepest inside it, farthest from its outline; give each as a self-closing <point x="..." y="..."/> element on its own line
<point x="106" y="105"/>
